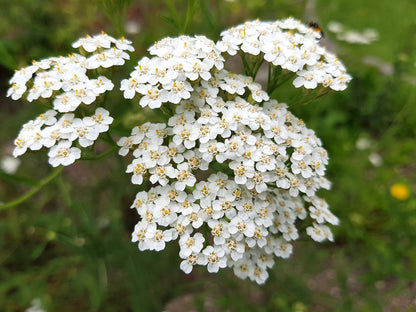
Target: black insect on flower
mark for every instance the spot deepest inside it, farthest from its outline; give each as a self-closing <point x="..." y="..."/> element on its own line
<point x="315" y="26"/>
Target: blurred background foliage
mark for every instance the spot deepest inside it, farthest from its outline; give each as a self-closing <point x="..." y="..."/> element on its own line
<point x="70" y="246"/>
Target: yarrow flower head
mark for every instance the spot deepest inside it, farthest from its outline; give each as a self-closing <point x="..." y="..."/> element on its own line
<point x="232" y="171"/>
<point x="59" y="134"/>
<point x="290" y="45"/>
<point x="169" y="74"/>
<point x="67" y="79"/>
<point x="69" y="86"/>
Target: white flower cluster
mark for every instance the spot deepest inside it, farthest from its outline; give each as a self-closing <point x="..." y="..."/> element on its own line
<point x="269" y="165"/>
<point x="59" y="134"/>
<point x="67" y="81"/>
<point x="292" y="46"/>
<point x="231" y="171"/>
<point x="229" y="178"/>
<point x="367" y="36"/>
<point x="35" y="306"/>
<point x="167" y="76"/>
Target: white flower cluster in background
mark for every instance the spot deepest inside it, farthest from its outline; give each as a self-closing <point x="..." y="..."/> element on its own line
<point x="59" y="134"/>
<point x="366" y="36"/>
<point x="9" y="164"/>
<point x="290" y="45"/>
<point x="35" y="306"/>
<point x="67" y="83"/>
<point x="231" y="171"/>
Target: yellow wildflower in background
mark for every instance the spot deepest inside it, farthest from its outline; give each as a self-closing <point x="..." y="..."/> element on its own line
<point x="400" y="191"/>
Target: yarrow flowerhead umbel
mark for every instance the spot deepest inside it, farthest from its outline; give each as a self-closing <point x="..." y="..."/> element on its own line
<point x="68" y="85"/>
<point x="232" y="172"/>
<point x="290" y="45"/>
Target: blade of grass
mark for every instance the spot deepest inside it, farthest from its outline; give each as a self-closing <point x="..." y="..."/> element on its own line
<point x="34" y="190"/>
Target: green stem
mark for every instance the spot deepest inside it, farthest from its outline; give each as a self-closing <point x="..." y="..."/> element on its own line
<point x="280" y="83"/>
<point x="17" y="180"/>
<point x="269" y="77"/>
<point x="257" y="65"/>
<point x="246" y="66"/>
<point x="284" y="79"/>
<point x="107" y="138"/>
<point x="273" y="78"/>
<point x="110" y="139"/>
<point x="34" y="190"/>
<point x="167" y="110"/>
